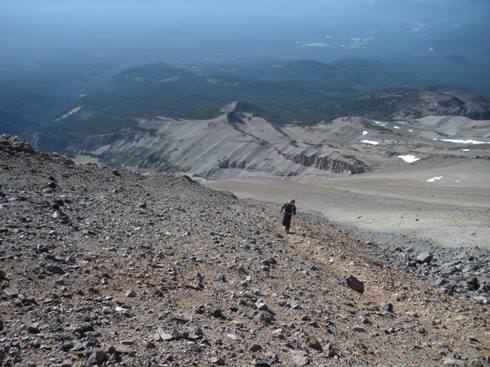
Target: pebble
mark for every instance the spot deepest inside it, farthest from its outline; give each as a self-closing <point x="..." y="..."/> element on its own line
<point x="255" y="348"/>
<point x="130" y="293"/>
<point x="387" y="307"/>
<point x="165" y="336"/>
<point x="300" y="357"/>
<point x="264" y="316"/>
<point x="313" y="343"/>
<point x="33" y="328"/>
<point x="11" y="292"/>
<point x="55" y="269"/>
<point x="123" y="349"/>
<point x="259" y="305"/>
<point x="424" y="258"/>
<point x="217" y="361"/>
<point x="355" y="284"/>
<point x="85" y="327"/>
<point x="260" y="363"/>
<point x="97" y="358"/>
<point x="363" y="319"/>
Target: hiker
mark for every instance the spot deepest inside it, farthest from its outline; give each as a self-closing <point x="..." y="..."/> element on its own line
<point x="289" y="210"/>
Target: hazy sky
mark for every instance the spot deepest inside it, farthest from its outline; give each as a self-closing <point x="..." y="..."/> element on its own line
<point x="36" y="36"/>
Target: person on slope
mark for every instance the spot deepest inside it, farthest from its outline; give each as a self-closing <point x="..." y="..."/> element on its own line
<point x="289" y="209"/>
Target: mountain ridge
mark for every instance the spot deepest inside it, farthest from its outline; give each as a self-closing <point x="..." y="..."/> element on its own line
<point x="162" y="90"/>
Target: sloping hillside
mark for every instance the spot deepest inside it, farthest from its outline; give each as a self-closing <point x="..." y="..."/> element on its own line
<point x="101" y="267"/>
<point x="232" y="142"/>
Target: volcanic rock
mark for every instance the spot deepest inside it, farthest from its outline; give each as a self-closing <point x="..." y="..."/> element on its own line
<point x="355" y="284"/>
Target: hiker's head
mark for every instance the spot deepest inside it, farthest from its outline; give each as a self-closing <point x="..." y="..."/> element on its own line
<point x="292" y="201"/>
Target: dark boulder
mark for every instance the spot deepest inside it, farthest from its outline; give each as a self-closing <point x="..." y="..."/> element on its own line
<point x="355" y="284"/>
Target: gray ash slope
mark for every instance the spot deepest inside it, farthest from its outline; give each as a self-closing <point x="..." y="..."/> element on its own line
<point x="453" y="269"/>
<point x="464" y="270"/>
<point x="102" y="267"/>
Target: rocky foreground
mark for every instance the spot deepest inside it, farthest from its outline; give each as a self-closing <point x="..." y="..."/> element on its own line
<point x="111" y="268"/>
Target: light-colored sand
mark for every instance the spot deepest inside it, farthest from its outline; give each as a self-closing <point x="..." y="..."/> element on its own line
<point x="85" y="159"/>
<point x="454" y="211"/>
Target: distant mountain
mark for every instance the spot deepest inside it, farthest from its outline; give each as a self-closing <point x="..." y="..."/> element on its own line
<point x="408" y="103"/>
<point x="303" y="92"/>
<point x="13" y="124"/>
<point x="25" y="105"/>
<point x="355" y="75"/>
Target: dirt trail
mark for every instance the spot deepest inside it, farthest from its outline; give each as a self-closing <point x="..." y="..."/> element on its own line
<point x="385" y="283"/>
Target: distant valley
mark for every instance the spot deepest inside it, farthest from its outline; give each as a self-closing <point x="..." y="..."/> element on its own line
<point x="279" y="119"/>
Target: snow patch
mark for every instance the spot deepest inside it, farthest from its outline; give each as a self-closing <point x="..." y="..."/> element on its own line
<point x="434" y="179"/>
<point x="317" y="44"/>
<point x="370" y="142"/>
<point x="396" y="127"/>
<point x="466" y="150"/>
<point x="461" y="141"/>
<point x="380" y="123"/>
<point x="364" y="133"/>
<point x="101" y="150"/>
<point x="170" y="79"/>
<point x="69" y="113"/>
<point x="409" y="158"/>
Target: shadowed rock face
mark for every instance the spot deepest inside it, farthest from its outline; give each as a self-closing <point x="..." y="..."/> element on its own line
<point x="454" y="104"/>
<point x="337" y="164"/>
<point x="457" y="107"/>
<point x="233" y="118"/>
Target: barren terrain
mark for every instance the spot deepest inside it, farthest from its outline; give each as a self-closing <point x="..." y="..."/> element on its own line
<point x="453" y="211"/>
<point x="111" y="268"/>
<point x="238" y="143"/>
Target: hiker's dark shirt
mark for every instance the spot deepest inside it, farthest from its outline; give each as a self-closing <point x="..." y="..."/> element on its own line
<point x="289" y="210"/>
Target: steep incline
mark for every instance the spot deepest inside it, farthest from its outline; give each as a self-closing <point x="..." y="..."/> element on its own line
<point x="230" y="144"/>
<point x="101" y="267"/>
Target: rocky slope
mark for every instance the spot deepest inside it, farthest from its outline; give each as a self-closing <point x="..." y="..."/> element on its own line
<point x="408" y="104"/>
<point x="241" y="143"/>
<point x="111" y="268"/>
<point x="233" y="143"/>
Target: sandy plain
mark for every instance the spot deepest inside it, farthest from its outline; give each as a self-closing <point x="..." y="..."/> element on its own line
<point x="453" y="211"/>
